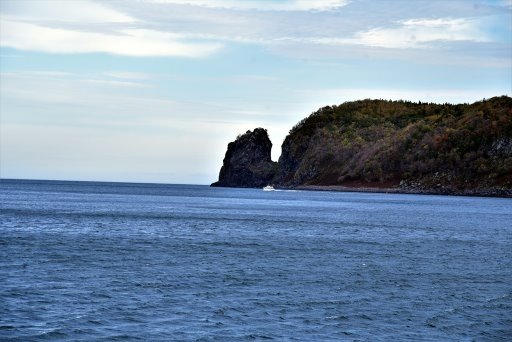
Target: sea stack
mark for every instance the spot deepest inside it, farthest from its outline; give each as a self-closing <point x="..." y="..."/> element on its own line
<point x="248" y="163"/>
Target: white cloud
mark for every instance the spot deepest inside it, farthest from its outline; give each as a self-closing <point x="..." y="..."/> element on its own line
<point x="131" y="75"/>
<point x="59" y="26"/>
<point x="199" y="28"/>
<point x="63" y="11"/>
<point x="417" y="32"/>
<point x="287" y="5"/>
<point x="128" y="42"/>
<point x="412" y="33"/>
<point x="116" y="83"/>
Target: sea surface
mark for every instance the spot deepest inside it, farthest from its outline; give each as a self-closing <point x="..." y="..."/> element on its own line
<point x="86" y="261"/>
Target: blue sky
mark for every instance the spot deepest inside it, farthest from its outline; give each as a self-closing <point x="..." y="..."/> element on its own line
<point x="152" y="91"/>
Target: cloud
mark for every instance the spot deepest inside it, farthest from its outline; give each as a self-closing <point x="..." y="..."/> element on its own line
<point x="444" y="33"/>
<point x="412" y="33"/>
<point x="131" y="42"/>
<point x="131" y="75"/>
<point x="201" y="28"/>
<point x="417" y="32"/>
<point x="63" y="11"/>
<point x="287" y="5"/>
<point x="88" y="27"/>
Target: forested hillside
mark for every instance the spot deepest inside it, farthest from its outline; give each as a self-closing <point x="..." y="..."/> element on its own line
<point x="399" y="145"/>
<point x="440" y="147"/>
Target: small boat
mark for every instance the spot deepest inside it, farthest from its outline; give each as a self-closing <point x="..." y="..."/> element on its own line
<point x="269" y="188"/>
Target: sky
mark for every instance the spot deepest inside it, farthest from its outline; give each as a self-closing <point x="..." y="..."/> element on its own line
<point x="154" y="90"/>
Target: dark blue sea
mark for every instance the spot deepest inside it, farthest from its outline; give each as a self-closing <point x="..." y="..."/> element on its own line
<point x="86" y="261"/>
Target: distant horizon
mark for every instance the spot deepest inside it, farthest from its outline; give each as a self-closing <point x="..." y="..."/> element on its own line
<point x="153" y="91"/>
<point x="94" y="181"/>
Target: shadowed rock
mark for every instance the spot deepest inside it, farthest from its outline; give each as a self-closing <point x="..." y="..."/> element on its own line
<point x="247" y="162"/>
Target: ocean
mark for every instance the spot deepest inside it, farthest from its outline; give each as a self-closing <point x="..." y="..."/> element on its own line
<point x="86" y="261"/>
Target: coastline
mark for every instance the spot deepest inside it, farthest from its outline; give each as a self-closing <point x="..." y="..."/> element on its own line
<point x="502" y="193"/>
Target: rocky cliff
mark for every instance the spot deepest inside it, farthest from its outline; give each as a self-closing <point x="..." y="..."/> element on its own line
<point x="248" y="162"/>
<point x="414" y="147"/>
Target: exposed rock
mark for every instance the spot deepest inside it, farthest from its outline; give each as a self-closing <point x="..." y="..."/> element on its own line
<point x="248" y="162"/>
<point x="501" y="147"/>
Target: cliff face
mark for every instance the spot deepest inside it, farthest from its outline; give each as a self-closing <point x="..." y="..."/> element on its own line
<point x="415" y="147"/>
<point x="247" y="162"/>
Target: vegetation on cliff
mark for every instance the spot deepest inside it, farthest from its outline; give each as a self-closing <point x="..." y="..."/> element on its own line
<point x="442" y="147"/>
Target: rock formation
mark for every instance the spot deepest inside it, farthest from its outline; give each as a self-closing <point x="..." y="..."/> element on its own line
<point x="247" y="162"/>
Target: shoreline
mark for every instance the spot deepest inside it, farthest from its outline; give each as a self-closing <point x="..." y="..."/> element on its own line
<point x="396" y="190"/>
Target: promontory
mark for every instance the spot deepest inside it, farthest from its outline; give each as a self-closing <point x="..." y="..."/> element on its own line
<point x="379" y="145"/>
